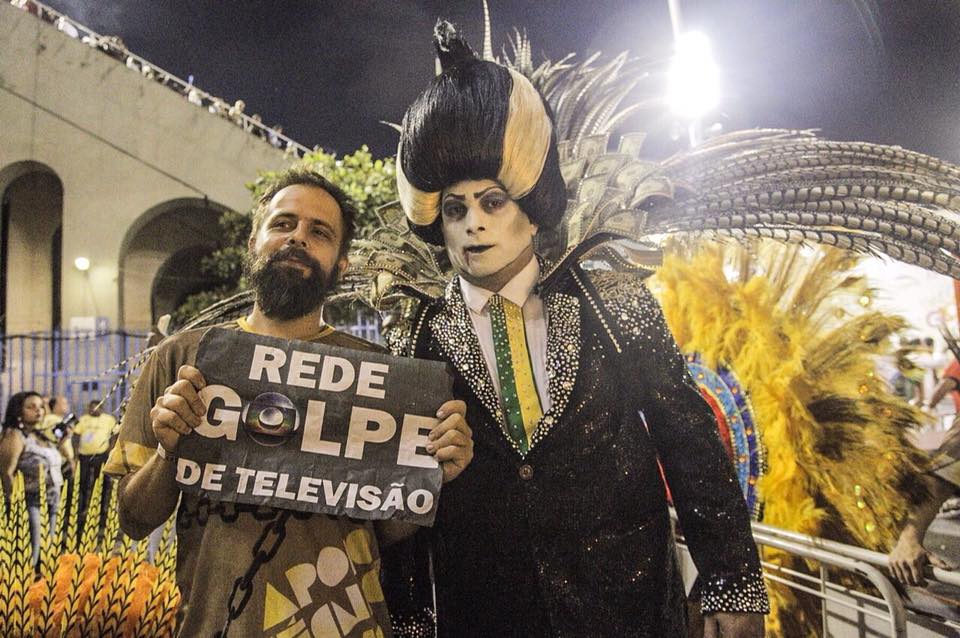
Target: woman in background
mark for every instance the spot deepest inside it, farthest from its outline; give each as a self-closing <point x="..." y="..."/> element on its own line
<point x="24" y="449"/>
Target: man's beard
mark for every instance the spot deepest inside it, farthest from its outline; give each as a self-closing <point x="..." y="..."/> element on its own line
<point x="283" y="293"/>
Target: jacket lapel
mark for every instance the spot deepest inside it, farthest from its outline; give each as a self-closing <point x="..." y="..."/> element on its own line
<point x="458" y="343"/>
<point x="563" y="357"/>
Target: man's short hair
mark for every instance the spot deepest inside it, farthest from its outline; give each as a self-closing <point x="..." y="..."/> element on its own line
<point x="306" y="177"/>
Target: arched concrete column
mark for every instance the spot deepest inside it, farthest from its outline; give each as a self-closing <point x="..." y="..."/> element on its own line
<point x="177" y="278"/>
<point x="30" y="247"/>
<point x="159" y="260"/>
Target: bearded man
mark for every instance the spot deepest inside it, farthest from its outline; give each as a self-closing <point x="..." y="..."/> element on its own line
<point x="576" y="389"/>
<point x="233" y="559"/>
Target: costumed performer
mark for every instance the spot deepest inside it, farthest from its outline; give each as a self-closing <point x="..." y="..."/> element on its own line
<point x="575" y="388"/>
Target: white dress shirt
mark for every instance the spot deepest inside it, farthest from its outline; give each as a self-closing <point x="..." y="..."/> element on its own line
<point x="519" y="290"/>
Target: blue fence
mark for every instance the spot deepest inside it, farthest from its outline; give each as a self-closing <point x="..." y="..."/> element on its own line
<point x="81" y="366"/>
<point x="366" y="327"/>
<point x="85" y="366"/>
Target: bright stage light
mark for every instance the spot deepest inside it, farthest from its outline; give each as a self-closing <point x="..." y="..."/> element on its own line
<point x="82" y="264"/>
<point x="694" y="80"/>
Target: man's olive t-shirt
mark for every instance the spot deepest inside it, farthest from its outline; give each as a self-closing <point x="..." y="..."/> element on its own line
<point x="323" y="579"/>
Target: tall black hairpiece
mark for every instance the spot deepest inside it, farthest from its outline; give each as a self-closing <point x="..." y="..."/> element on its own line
<point x="452" y="49"/>
<point x="477" y="120"/>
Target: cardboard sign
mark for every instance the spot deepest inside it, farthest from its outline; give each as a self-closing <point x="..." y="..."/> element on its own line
<point x="316" y="428"/>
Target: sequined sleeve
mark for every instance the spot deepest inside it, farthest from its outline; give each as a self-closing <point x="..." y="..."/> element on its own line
<point x="400" y="327"/>
<point x="397" y="338"/>
<point x="701" y="478"/>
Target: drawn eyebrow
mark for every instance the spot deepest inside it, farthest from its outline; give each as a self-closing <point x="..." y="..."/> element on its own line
<point x="488" y="188"/>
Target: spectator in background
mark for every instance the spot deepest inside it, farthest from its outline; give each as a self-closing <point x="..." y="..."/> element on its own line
<point x="64" y="25"/>
<point x="113" y="46"/>
<point x="909" y="556"/>
<point x="256" y="125"/>
<point x="217" y="106"/>
<point x="930" y="362"/>
<point x="94" y="431"/>
<point x="30" y="7"/>
<point x="908" y="381"/>
<point x="24" y="449"/>
<point x="236" y="112"/>
<point x="43" y="13"/>
<point x="56" y="426"/>
<point x="273" y="136"/>
<point x="949" y="384"/>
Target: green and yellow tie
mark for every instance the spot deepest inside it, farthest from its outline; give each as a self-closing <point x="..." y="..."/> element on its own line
<point x="517" y="386"/>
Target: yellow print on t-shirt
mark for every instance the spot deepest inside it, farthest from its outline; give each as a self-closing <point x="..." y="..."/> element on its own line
<point x="330" y="598"/>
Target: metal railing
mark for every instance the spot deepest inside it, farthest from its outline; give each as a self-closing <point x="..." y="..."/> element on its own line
<point x="85" y="366"/>
<point x="82" y="366"/>
<point x="109" y="46"/>
<point x="850" y="551"/>
<point x="886" y="605"/>
<point x="365" y="327"/>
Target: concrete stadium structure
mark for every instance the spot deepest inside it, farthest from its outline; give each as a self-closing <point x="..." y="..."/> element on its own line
<point x="99" y="161"/>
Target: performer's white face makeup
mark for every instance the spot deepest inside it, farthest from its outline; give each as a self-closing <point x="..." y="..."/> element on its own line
<point x="488" y="237"/>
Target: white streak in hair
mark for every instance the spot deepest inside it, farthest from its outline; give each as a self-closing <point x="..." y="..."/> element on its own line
<point x="421" y="207"/>
<point x="526" y="139"/>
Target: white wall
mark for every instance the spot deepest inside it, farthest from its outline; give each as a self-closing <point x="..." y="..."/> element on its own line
<point x="120" y="144"/>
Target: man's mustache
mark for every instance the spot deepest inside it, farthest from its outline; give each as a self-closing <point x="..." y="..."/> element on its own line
<point x="293" y="253"/>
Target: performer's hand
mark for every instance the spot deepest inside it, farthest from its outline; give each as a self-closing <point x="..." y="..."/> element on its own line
<point x="451" y="441"/>
<point x="723" y="624"/>
<point x="908" y="559"/>
<point x="179" y="409"/>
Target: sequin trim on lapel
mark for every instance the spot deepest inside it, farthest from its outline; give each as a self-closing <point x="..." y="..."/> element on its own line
<point x="563" y="357"/>
<point x="457" y="341"/>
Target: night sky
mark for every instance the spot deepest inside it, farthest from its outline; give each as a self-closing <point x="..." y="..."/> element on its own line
<point x="329" y="71"/>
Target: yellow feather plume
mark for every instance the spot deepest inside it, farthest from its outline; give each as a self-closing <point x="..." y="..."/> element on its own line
<point x="839" y="461"/>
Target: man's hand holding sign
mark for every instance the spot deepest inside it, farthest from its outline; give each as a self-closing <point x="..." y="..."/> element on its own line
<point x="329" y="449"/>
<point x="179" y="411"/>
<point x="451" y="441"/>
<point x="246" y="437"/>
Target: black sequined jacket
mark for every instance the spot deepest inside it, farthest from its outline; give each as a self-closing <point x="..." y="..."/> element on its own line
<point x="574" y="538"/>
